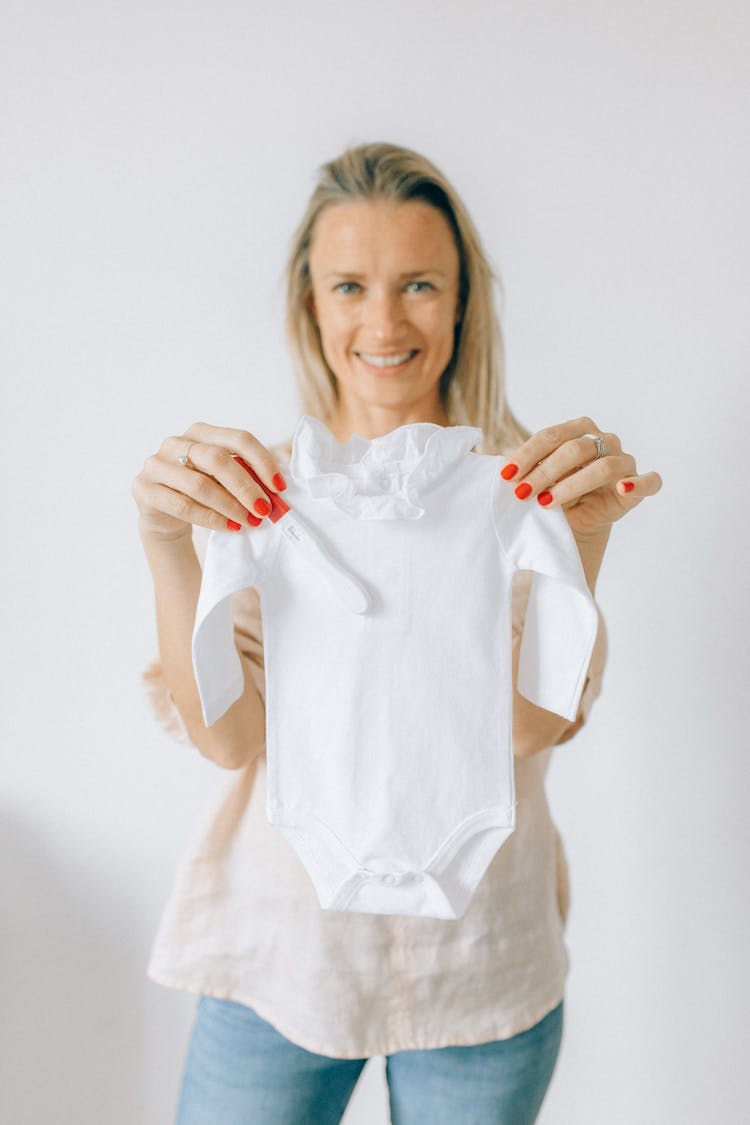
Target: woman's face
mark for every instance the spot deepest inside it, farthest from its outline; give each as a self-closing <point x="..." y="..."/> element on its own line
<point x="385" y="280"/>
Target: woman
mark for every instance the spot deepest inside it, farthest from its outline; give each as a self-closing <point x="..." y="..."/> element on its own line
<point x="391" y="321"/>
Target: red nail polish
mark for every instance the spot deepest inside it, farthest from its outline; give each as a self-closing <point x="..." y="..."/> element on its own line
<point x="278" y="482"/>
<point x="544" y="498"/>
<point x="262" y="507"/>
<point x="232" y="526"/>
<point x="628" y="485"/>
<point x="523" y="490"/>
<point x="509" y="472"/>
<point x="253" y="520"/>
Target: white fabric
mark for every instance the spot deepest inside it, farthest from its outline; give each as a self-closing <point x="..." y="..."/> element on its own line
<point x="389" y="757"/>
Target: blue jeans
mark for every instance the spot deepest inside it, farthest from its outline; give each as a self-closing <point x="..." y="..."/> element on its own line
<point x="241" y="1071"/>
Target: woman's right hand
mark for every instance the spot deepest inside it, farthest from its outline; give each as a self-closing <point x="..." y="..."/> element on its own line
<point x="216" y="493"/>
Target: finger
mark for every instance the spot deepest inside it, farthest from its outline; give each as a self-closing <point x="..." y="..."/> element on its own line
<point x="637" y="487"/>
<point x="568" y="459"/>
<point x="544" y="442"/>
<point x="216" y="464"/>
<point x="204" y="489"/>
<point x="162" y="498"/>
<point x="242" y="442"/>
<point x="595" y="475"/>
<point x="273" y="505"/>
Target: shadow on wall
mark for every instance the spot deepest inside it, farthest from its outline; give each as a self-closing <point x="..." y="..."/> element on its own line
<point x="77" y="1040"/>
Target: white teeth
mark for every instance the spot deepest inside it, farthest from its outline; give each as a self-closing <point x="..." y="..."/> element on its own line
<point x="385" y="360"/>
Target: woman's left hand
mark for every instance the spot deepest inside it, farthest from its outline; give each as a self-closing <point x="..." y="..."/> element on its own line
<point x="558" y="466"/>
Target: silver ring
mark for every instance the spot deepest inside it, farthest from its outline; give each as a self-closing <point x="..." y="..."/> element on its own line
<point x="599" y="445"/>
<point x="185" y="459"/>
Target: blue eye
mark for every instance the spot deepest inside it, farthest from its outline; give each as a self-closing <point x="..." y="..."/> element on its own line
<point x="426" y="284"/>
<point x="346" y="287"/>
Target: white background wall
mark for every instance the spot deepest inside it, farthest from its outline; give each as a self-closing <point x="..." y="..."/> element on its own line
<point x="156" y="157"/>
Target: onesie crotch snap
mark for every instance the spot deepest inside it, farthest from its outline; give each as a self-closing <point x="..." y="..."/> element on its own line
<point x="394" y="892"/>
<point x="396" y="878"/>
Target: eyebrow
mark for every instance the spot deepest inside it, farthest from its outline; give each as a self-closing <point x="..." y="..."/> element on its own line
<point x="402" y="277"/>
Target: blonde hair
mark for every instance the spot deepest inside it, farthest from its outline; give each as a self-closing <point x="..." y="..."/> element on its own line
<point x="472" y="388"/>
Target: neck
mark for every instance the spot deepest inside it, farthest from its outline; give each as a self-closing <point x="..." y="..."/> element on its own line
<point x="370" y="421"/>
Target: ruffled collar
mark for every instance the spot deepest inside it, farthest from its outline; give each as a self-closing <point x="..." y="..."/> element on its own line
<point x="377" y="478"/>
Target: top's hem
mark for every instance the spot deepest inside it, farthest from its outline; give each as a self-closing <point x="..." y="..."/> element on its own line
<point x="490" y="1033"/>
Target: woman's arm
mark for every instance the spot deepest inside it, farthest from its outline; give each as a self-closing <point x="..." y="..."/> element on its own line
<point x="535" y="729"/>
<point x="238" y="736"/>
<point x="562" y="466"/>
<point x="195" y="479"/>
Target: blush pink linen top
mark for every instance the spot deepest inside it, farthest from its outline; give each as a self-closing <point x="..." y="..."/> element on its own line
<point x="243" y="921"/>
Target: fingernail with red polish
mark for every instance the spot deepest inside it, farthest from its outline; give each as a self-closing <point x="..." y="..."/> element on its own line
<point x="628" y="485"/>
<point x="278" y="482"/>
<point x="509" y="472"/>
<point x="544" y="498"/>
<point x="232" y="526"/>
<point x="262" y="507"/>
<point x="523" y="490"/>
<point x="253" y="520"/>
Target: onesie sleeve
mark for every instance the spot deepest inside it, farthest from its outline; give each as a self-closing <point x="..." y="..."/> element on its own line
<point x="595" y="674"/>
<point x="248" y="635"/>
<point x="561" y="621"/>
<point x="233" y="561"/>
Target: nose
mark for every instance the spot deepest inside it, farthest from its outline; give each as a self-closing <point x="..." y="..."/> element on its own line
<point x="384" y="317"/>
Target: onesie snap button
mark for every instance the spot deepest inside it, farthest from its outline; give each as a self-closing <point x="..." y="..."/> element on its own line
<point x="401" y="877"/>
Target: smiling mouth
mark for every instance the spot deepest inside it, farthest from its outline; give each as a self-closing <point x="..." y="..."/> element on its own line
<point x="387" y="362"/>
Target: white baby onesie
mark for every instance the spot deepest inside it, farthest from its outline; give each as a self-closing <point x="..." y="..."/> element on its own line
<point x="389" y="728"/>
